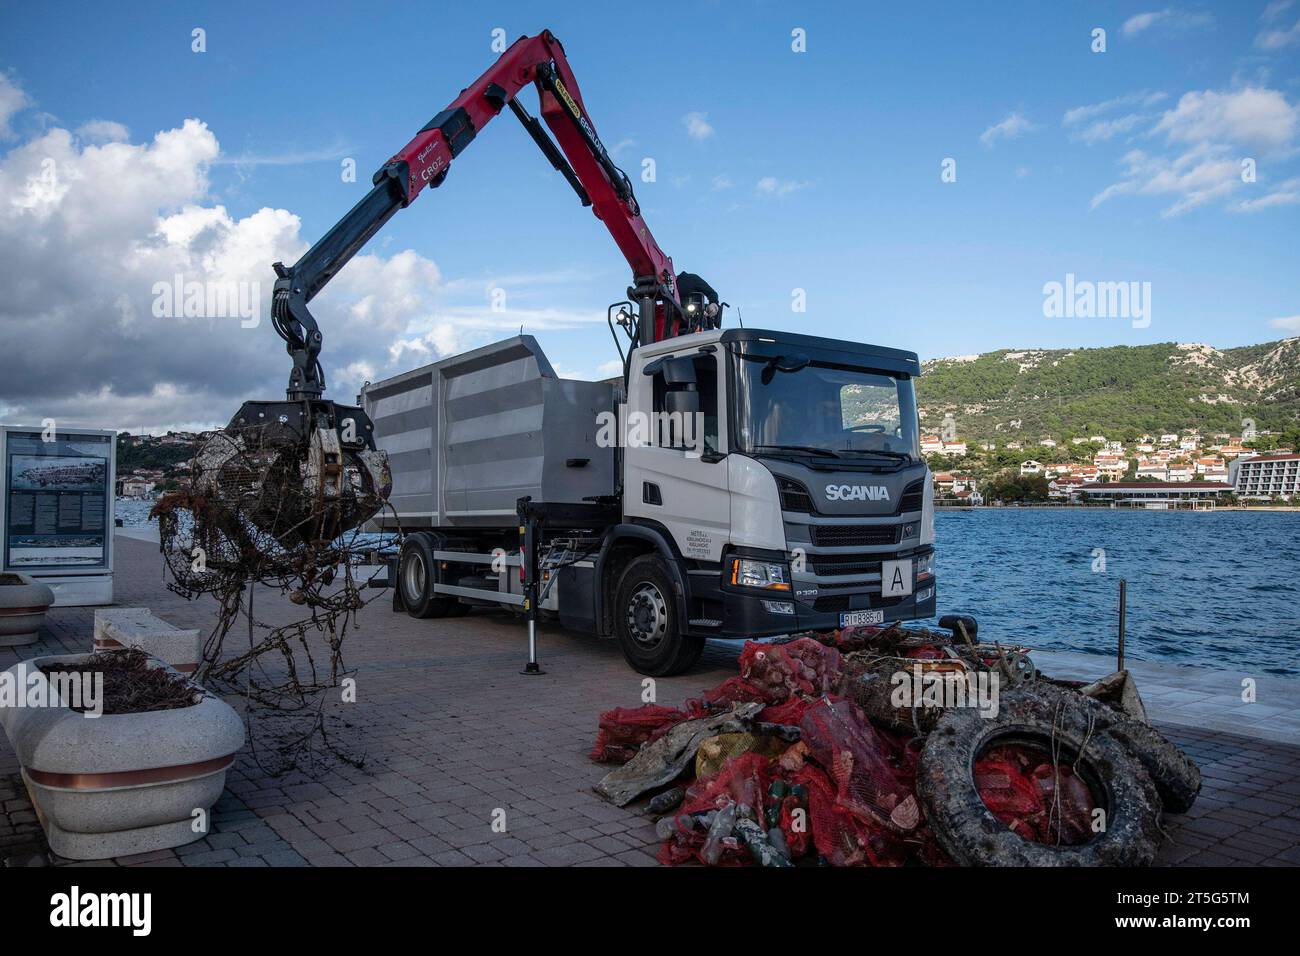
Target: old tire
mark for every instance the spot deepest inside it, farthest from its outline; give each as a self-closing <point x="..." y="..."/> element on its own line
<point x="970" y="833"/>
<point x="1176" y="776"/>
<point x="646" y="621"/>
<point x="415" y="576"/>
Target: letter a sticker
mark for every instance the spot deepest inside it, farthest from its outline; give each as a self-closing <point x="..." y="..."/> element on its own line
<point x="896" y="578"/>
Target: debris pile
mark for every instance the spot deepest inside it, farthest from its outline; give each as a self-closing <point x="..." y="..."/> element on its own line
<point x="253" y="511"/>
<point x="889" y="747"/>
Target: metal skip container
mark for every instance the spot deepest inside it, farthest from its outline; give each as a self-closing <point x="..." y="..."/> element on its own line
<point x="469" y="435"/>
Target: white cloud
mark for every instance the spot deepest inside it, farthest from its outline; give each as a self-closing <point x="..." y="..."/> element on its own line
<point x="1013" y="127"/>
<point x="12" y="100"/>
<point x="1251" y="116"/>
<point x="1271" y="40"/>
<point x="722" y="181"/>
<point x="1286" y="193"/>
<point x="697" y="125"/>
<point x="1276" y="9"/>
<point x="103" y="131"/>
<point x="292" y="157"/>
<point x="1210" y="131"/>
<point x="1136" y="24"/>
<point x="93" y="236"/>
<point x="1103" y="130"/>
<point x="1082" y="113"/>
<point x="1197" y="176"/>
<point x="1290" y="323"/>
<point x="1168" y="17"/>
<point x="771" y="186"/>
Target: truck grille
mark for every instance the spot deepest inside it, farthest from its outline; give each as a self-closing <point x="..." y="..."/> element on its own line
<point x="913" y="497"/>
<point x="845" y="564"/>
<point x="849" y="535"/>
<point x="840" y="602"/>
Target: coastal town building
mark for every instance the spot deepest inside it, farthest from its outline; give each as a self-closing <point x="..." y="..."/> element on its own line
<point x="1031" y="467"/>
<point x="1159" y="495"/>
<point x="1266" y="476"/>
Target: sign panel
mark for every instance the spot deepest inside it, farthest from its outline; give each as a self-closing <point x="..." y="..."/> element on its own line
<point x="56" y="501"/>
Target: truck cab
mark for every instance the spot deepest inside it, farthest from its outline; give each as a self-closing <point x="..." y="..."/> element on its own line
<point x="804" y="503"/>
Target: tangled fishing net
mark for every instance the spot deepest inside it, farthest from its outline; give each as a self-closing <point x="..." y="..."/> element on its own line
<point x="261" y="510"/>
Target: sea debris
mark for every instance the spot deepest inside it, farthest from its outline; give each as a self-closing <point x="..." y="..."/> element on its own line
<point x="258" y="511"/>
<point x="832" y="765"/>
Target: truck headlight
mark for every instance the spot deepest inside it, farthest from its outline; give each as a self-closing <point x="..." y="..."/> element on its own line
<point x="753" y="573"/>
<point x="925" y="566"/>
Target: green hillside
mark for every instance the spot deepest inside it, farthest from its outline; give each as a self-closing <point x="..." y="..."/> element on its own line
<point x="1119" y="392"/>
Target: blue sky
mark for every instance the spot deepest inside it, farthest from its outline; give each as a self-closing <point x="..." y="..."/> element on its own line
<point x="817" y="170"/>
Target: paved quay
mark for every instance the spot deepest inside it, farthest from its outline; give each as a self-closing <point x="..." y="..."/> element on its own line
<point x="454" y="737"/>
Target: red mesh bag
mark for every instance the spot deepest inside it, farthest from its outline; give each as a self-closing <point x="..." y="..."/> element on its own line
<point x="744" y="780"/>
<point x="624" y="729"/>
<point x="842" y="837"/>
<point x="929" y="652"/>
<point x="861" y="762"/>
<point x="1019" y="785"/>
<point x="799" y="667"/>
<point x="733" y="690"/>
<point x="788" y="712"/>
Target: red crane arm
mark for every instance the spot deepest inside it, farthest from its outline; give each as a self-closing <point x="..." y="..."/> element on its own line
<point x="540" y="60"/>
<point x="426" y="160"/>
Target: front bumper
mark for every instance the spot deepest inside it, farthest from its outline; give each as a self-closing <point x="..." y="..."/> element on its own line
<point x="746" y="614"/>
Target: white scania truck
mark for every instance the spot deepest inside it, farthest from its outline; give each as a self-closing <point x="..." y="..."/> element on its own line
<point x="803" y="504"/>
<point x="800" y="501"/>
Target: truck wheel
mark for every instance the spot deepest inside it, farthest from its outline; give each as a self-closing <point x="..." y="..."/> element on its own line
<point x="415" y="573"/>
<point x="645" y="621"/>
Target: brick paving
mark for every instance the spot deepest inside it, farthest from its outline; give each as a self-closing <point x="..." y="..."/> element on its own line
<point x="455" y="739"/>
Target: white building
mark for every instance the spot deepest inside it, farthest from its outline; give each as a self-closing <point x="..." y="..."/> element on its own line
<point x="1157" y="494"/>
<point x="1266" y="476"/>
<point x="1031" y="467"/>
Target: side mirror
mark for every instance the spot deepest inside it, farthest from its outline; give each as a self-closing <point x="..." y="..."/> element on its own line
<point x="784" y="363"/>
<point x="683" y="402"/>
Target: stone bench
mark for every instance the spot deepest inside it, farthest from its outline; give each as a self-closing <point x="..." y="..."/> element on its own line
<point x="121" y="627"/>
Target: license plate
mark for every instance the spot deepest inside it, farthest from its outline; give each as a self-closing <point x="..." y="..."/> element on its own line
<point x="861" y="618"/>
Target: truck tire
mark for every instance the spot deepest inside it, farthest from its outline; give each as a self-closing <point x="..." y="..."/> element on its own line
<point x="415" y="574"/>
<point x="646" y="622"/>
<point x="969" y="832"/>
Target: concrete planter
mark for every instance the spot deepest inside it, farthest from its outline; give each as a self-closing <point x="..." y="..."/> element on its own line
<point x="122" y="627"/>
<point x="23" y="603"/>
<point x="121" y="783"/>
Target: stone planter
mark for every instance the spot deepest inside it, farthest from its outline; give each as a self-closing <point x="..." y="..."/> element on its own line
<point x="120" y="783"/>
<point x="23" y="603"/>
<point x="121" y="627"/>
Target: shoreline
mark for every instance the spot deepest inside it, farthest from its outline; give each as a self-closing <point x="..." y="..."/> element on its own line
<point x="1058" y="507"/>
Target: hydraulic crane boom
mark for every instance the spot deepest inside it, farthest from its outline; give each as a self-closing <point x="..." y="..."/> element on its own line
<point x="426" y="160"/>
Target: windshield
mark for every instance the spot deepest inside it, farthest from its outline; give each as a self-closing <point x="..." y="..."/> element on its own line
<point x="821" y="410"/>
